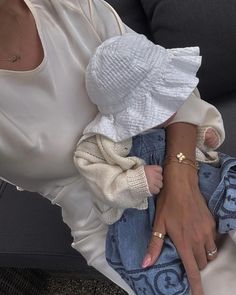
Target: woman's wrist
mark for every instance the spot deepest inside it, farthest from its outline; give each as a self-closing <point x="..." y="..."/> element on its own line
<point x="181" y="137"/>
<point x="180" y="159"/>
<point x="174" y="174"/>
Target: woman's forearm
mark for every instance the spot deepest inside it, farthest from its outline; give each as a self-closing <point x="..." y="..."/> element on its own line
<point x="181" y="137"/>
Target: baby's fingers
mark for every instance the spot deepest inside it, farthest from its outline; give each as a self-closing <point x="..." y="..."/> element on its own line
<point x="155" y="246"/>
<point x="155" y="187"/>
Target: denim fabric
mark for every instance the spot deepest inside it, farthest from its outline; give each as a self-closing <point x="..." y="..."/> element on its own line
<point x="127" y="239"/>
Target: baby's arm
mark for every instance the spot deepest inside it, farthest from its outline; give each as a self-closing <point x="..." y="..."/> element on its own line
<point x="210" y="132"/>
<point x="117" y="180"/>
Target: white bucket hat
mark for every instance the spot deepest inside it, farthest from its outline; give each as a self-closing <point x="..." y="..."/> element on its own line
<point x="138" y="85"/>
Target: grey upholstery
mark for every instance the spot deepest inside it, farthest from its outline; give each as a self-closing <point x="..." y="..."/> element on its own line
<point x="32" y="233"/>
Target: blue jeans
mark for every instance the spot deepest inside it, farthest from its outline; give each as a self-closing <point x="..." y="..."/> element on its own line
<point x="128" y="238"/>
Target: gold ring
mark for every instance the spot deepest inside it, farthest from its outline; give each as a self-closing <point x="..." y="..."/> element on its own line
<point x="158" y="235"/>
<point x="212" y="252"/>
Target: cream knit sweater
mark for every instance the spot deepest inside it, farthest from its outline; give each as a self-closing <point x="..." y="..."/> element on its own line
<point x="117" y="180"/>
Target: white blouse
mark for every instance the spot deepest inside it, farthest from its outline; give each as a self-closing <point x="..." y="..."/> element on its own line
<point x="44" y="111"/>
<point x="42" y="115"/>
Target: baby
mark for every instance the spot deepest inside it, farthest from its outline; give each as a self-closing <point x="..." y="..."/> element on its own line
<point x="139" y="89"/>
<point x="136" y="94"/>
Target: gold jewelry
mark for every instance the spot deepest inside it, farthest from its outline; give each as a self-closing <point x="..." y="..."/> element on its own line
<point x="181" y="159"/>
<point x="12" y="58"/>
<point x="158" y="235"/>
<point x="212" y="252"/>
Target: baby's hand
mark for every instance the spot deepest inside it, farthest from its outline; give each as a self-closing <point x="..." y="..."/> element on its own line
<point x="154" y="178"/>
<point x="211" y="138"/>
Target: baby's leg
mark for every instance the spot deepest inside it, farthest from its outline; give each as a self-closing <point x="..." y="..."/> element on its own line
<point x="127" y="243"/>
<point x="88" y="231"/>
<point x="128" y="238"/>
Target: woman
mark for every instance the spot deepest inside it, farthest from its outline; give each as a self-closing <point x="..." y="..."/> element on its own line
<point x="45" y="47"/>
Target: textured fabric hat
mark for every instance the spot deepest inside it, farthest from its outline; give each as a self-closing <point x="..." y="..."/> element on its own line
<point x="138" y="85"/>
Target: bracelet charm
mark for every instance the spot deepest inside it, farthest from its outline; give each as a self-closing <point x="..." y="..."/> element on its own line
<point x="181" y="159"/>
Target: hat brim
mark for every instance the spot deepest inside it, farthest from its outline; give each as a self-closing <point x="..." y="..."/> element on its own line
<point x="155" y="100"/>
<point x="142" y="116"/>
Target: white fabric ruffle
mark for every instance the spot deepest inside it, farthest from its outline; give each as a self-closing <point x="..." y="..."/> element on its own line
<point x="138" y="85"/>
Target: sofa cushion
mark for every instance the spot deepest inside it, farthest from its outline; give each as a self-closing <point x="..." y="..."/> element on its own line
<point x="209" y="24"/>
<point x="132" y="14"/>
<point x="33" y="234"/>
<point x="227" y="107"/>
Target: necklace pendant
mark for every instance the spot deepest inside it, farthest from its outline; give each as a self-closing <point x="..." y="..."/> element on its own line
<point x="15" y="58"/>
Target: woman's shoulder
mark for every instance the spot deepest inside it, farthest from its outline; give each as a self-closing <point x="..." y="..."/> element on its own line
<point x="97" y="13"/>
<point x="103" y="17"/>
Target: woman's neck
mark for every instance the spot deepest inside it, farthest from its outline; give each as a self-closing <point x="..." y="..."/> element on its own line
<point x="16" y="7"/>
<point x="11" y="9"/>
<point x="17" y="34"/>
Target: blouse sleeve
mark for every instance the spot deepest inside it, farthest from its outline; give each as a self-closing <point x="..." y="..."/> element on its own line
<point x="104" y="19"/>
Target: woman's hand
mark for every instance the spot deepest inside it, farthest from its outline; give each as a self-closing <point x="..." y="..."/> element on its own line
<point x="182" y="214"/>
<point x="181" y="211"/>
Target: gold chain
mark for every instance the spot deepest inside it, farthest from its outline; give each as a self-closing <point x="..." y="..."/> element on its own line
<point x="181" y="159"/>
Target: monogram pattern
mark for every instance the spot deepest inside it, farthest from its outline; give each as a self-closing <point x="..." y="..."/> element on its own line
<point x="160" y="279"/>
<point x="127" y="239"/>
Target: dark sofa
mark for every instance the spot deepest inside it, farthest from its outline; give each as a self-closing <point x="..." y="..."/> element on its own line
<point x="32" y="233"/>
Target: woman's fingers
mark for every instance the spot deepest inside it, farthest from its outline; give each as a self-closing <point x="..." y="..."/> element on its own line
<point x="153" y="252"/>
<point x="200" y="257"/>
<point x="191" y="269"/>
<point x="211" y="250"/>
<point x="155" y="246"/>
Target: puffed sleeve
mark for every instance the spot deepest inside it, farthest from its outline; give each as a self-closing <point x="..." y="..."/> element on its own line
<point x="104" y="19"/>
<point x="199" y="112"/>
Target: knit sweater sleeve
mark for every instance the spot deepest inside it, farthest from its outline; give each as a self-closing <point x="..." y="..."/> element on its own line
<point x="199" y="112"/>
<point x="117" y="181"/>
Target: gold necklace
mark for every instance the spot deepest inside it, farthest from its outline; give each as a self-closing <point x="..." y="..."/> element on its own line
<point x="12" y="58"/>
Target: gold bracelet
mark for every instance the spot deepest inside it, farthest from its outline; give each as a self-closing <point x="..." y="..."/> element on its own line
<point x="181" y="159"/>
